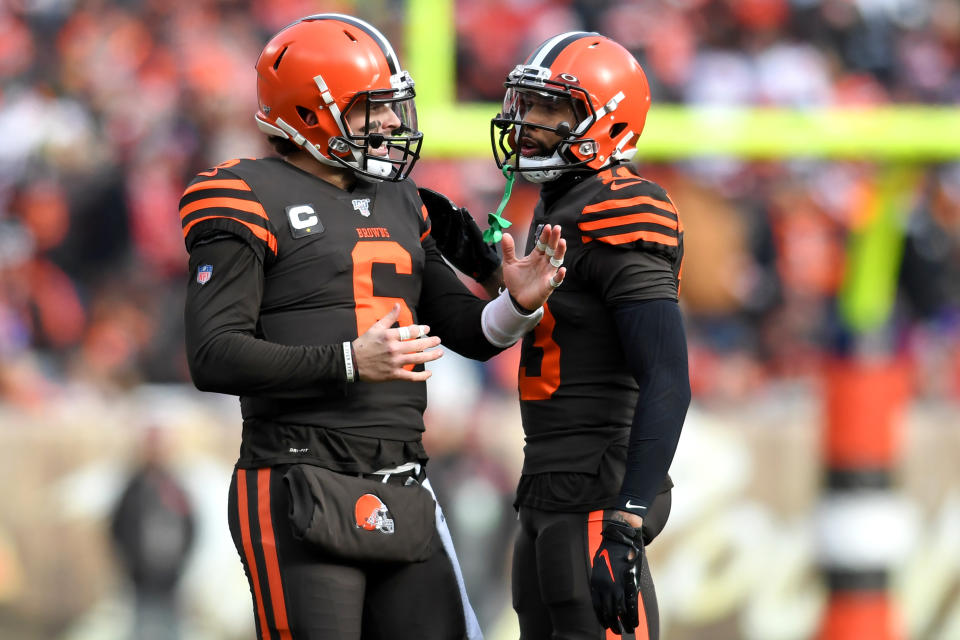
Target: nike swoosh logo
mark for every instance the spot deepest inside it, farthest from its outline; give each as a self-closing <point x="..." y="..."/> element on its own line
<point x="621" y="184"/>
<point x="606" y="558"/>
<point x="630" y="505"/>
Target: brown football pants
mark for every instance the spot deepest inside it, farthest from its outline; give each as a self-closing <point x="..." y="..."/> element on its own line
<point x="299" y="594"/>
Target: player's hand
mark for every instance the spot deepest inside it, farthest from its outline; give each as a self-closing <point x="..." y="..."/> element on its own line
<point x="383" y="352"/>
<point x="614" y="577"/>
<point x="533" y="278"/>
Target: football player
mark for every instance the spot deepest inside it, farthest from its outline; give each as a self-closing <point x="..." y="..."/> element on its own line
<point x="317" y="294"/>
<point x="604" y="387"/>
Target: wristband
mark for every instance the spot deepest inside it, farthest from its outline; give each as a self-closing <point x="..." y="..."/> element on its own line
<point x="631" y="505"/>
<point x="502" y="324"/>
<point x="348" y="362"/>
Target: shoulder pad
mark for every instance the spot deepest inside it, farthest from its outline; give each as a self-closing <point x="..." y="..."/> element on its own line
<point x="630" y="212"/>
<point x="218" y="200"/>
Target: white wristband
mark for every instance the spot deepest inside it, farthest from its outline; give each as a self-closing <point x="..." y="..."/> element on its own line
<point x="348" y="362"/>
<point x="502" y="324"/>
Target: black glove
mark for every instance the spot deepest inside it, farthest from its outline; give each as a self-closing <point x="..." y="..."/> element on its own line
<point x="614" y="577"/>
<point x="458" y="237"/>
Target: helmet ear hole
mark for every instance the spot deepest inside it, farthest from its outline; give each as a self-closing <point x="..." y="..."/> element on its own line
<point x="617" y="128"/>
<point x="276" y="63"/>
<point x="307" y="115"/>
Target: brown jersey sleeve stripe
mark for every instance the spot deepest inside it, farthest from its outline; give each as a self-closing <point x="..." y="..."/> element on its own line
<point x="633" y="236"/>
<point x="258" y="231"/>
<point x="607" y="205"/>
<point x="250" y="206"/>
<point x="633" y="218"/>
<point x="237" y="185"/>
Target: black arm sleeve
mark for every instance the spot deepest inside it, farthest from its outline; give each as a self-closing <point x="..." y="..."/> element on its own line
<point x="655" y="347"/>
<point x="223" y="351"/>
<point x="450" y="309"/>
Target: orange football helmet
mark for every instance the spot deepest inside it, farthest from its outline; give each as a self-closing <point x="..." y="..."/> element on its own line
<point x="311" y="75"/>
<point x="371" y="514"/>
<point x="607" y="90"/>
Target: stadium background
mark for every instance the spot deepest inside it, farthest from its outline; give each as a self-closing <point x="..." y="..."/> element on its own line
<point x="784" y="129"/>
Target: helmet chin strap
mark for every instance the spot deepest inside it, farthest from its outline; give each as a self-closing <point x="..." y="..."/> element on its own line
<point x="552" y="164"/>
<point x="548" y="172"/>
<point x="379" y="167"/>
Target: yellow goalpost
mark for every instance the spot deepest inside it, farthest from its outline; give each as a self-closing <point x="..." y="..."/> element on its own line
<point x="898" y="133"/>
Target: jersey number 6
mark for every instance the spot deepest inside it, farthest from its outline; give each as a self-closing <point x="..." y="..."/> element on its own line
<point x="369" y="307"/>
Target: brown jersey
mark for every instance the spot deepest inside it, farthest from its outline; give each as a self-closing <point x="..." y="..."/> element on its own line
<point x="330" y="263"/>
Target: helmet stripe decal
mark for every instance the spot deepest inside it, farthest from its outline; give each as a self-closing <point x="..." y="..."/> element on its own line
<point x="370" y="30"/>
<point x="549" y="50"/>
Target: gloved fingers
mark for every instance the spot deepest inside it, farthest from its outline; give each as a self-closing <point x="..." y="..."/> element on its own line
<point x="598" y="607"/>
<point x="604" y="605"/>
<point x="610" y="619"/>
<point x="631" y="614"/>
<point x="614" y="611"/>
<point x="615" y="624"/>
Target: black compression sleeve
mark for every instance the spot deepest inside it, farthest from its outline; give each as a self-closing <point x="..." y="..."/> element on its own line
<point x="223" y="351"/>
<point x="655" y="348"/>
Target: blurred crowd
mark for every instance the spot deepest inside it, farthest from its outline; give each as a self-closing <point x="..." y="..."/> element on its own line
<point x="109" y="107"/>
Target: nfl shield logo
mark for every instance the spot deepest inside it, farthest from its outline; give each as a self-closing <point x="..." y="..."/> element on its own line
<point x="204" y="273"/>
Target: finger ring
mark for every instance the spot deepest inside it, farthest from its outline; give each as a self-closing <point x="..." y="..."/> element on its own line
<point x="549" y="252"/>
<point x="420" y="332"/>
<point x="553" y="283"/>
<point x="404" y="333"/>
<point x="556" y="263"/>
<point x="541" y="246"/>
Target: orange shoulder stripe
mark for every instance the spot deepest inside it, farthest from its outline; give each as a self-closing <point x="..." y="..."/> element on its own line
<point x="249" y="206"/>
<point x="623" y="238"/>
<point x="260" y="232"/>
<point x="629" y="202"/>
<point x="238" y="185"/>
<point x="605" y="223"/>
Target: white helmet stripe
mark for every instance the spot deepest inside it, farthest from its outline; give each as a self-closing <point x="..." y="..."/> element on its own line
<point x="370" y="30"/>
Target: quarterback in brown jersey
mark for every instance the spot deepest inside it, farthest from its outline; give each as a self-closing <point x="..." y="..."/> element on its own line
<point x="317" y="294"/>
<point x="604" y="386"/>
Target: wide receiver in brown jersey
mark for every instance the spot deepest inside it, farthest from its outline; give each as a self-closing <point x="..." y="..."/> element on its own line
<point x="316" y="294"/>
<point x="604" y="387"/>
